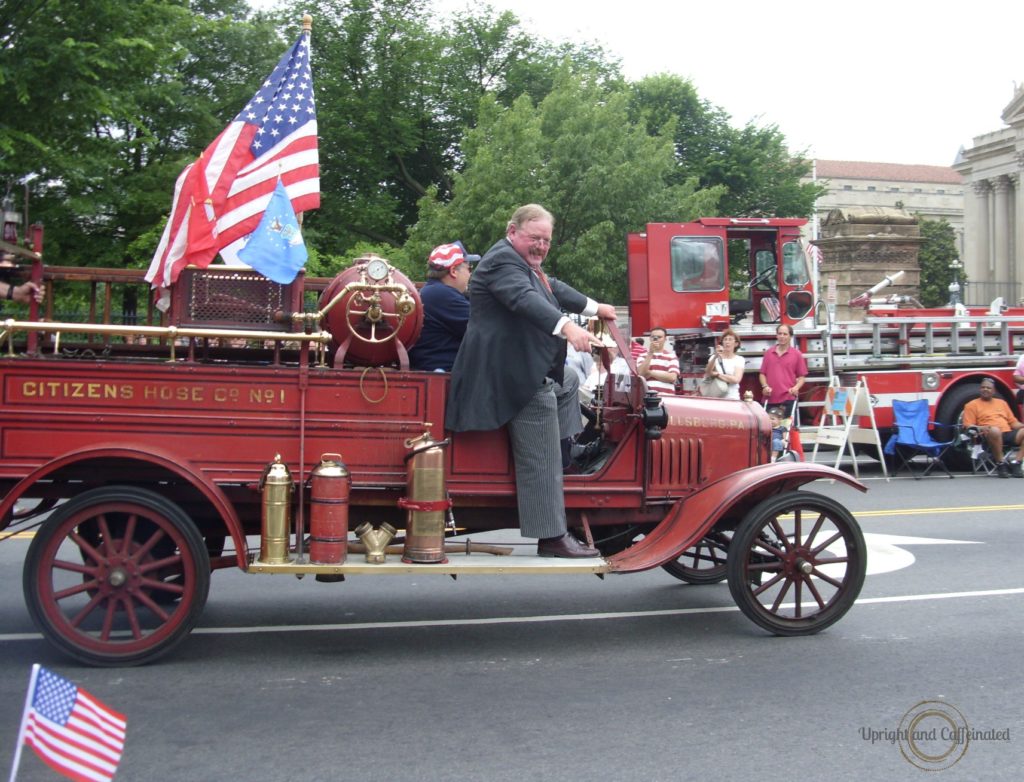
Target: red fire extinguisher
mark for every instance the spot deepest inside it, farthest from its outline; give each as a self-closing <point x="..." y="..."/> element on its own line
<point x="328" y="513"/>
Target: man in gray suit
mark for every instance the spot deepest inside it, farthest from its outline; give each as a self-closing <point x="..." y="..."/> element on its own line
<point x="510" y="370"/>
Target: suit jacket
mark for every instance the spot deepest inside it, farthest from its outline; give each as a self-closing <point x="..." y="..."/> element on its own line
<point x="509" y="347"/>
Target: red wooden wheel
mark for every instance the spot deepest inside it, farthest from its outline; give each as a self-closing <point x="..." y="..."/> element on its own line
<point x="117" y="576"/>
<point x="796" y="563"/>
<point x="704" y="563"/>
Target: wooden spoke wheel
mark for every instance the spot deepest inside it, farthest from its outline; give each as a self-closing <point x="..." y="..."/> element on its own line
<point x="796" y="563"/>
<point x="704" y="563"/>
<point x="116" y="576"/>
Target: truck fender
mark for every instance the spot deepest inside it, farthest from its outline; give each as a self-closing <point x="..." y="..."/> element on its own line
<point x="210" y="491"/>
<point x="690" y="518"/>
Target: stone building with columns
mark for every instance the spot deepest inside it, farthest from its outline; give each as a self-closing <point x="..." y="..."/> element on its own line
<point x="994" y="209"/>
<point x="934" y="192"/>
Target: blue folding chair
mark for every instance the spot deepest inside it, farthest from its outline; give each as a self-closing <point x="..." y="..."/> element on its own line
<point x="911" y="437"/>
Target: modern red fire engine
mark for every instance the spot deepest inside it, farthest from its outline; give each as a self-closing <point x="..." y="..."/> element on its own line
<point x="679" y="279"/>
<point x="276" y="429"/>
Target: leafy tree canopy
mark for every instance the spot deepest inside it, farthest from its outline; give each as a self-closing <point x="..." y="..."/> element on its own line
<point x="578" y="154"/>
<point x="430" y="129"/>
<point x="937" y="253"/>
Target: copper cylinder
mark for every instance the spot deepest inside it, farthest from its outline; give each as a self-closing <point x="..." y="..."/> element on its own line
<point x="328" y="511"/>
<point x="427" y="501"/>
<point x="275" y="520"/>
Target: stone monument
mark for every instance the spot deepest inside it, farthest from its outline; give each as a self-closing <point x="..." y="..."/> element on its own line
<point x="860" y="246"/>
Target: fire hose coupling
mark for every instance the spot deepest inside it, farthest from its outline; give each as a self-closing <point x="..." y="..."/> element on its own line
<point x="375" y="540"/>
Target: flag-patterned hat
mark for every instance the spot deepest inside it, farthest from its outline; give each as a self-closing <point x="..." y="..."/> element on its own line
<point x="448" y="256"/>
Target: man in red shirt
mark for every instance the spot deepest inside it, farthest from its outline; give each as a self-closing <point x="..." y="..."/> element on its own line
<point x="783" y="371"/>
<point x="998" y="426"/>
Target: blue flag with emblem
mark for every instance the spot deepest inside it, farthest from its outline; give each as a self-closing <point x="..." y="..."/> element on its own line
<point x="275" y="249"/>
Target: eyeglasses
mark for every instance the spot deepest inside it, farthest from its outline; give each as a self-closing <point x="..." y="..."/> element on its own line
<point x="657" y="339"/>
<point x="535" y="239"/>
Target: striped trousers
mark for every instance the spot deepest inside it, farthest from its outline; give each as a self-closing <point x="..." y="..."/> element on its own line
<point x="550" y="416"/>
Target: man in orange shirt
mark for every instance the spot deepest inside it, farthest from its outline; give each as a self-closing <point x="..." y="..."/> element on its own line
<point x="998" y="426"/>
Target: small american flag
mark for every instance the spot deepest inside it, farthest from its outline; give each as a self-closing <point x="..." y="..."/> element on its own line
<point x="71" y="731"/>
<point x="221" y="197"/>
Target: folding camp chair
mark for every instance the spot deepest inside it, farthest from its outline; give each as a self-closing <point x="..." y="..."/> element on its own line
<point x="911" y="437"/>
<point x="982" y="462"/>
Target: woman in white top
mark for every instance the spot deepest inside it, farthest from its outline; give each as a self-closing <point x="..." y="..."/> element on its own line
<point x="727" y="364"/>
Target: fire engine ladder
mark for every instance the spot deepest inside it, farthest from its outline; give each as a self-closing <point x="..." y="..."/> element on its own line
<point x="942" y="341"/>
<point x="958" y="337"/>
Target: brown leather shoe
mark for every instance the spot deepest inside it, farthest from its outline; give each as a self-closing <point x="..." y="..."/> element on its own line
<point x="566" y="547"/>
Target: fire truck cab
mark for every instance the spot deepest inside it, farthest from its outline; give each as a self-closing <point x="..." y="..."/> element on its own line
<point x="679" y="274"/>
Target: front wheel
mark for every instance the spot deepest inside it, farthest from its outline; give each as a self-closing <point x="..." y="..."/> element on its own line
<point x="116" y="576"/>
<point x="796" y="563"/>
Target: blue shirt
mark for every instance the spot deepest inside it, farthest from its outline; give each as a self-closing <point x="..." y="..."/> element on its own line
<point x="445" y="315"/>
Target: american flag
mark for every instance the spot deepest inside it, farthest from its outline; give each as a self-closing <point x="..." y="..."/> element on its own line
<point x="813" y="252"/>
<point x="71" y="731"/>
<point x="221" y="197"/>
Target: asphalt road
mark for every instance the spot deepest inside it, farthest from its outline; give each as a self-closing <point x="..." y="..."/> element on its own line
<point x="575" y="678"/>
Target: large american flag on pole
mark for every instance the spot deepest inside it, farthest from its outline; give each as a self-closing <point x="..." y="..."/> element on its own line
<point x="71" y="731"/>
<point x="221" y="197"/>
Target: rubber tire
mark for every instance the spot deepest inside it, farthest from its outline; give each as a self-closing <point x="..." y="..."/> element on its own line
<point x="750" y="529"/>
<point x="182" y="616"/>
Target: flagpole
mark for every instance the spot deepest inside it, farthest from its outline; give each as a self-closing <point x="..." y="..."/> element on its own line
<point x="24" y="721"/>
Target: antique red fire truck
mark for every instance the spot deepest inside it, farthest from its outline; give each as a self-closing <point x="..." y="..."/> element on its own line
<point x="276" y="429"/>
<point x="679" y="279"/>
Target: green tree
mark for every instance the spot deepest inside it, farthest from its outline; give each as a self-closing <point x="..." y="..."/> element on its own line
<point x="106" y="102"/>
<point x="761" y="175"/>
<point x="579" y="155"/>
<point x="397" y="90"/>
<point x="938" y="251"/>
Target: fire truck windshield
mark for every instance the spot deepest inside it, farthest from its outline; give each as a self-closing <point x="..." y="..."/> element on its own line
<point x="795" y="269"/>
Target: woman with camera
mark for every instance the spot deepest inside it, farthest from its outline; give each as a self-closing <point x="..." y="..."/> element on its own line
<point x="726" y="364"/>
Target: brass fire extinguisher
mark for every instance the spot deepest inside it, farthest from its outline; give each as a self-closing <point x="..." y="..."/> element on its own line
<point x="276" y="485"/>
<point x="328" y="514"/>
<point x="427" y="501"/>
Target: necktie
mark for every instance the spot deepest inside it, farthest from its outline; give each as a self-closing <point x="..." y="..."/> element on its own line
<point x="543" y="278"/>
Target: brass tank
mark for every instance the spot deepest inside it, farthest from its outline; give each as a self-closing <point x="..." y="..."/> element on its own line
<point x="428" y="500"/>
<point x="275" y="520"/>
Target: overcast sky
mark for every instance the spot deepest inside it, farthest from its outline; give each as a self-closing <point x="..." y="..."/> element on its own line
<point x="893" y="81"/>
<point x="900" y="81"/>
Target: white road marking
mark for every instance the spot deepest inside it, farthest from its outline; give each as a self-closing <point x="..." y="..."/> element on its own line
<point x="500" y="620"/>
<point x="886" y="552"/>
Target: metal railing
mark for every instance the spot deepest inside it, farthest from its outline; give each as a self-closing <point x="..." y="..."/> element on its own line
<point x="981" y="294"/>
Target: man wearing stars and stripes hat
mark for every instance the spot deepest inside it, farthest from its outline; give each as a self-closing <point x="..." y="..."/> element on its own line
<point x="445" y="308"/>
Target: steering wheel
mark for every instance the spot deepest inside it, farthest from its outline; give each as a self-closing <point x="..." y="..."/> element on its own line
<point x="766" y="276"/>
<point x="367" y="304"/>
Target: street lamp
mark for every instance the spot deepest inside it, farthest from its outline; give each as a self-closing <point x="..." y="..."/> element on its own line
<point x="954" y="287"/>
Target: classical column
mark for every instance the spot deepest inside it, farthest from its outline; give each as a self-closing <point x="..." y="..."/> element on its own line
<point x="1001" y="232"/>
<point x="1017" y="255"/>
<point x="981" y="265"/>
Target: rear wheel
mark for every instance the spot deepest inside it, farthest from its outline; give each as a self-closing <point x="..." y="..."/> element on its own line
<point x="796" y="563"/>
<point x="704" y="563"/>
<point x="116" y="576"/>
